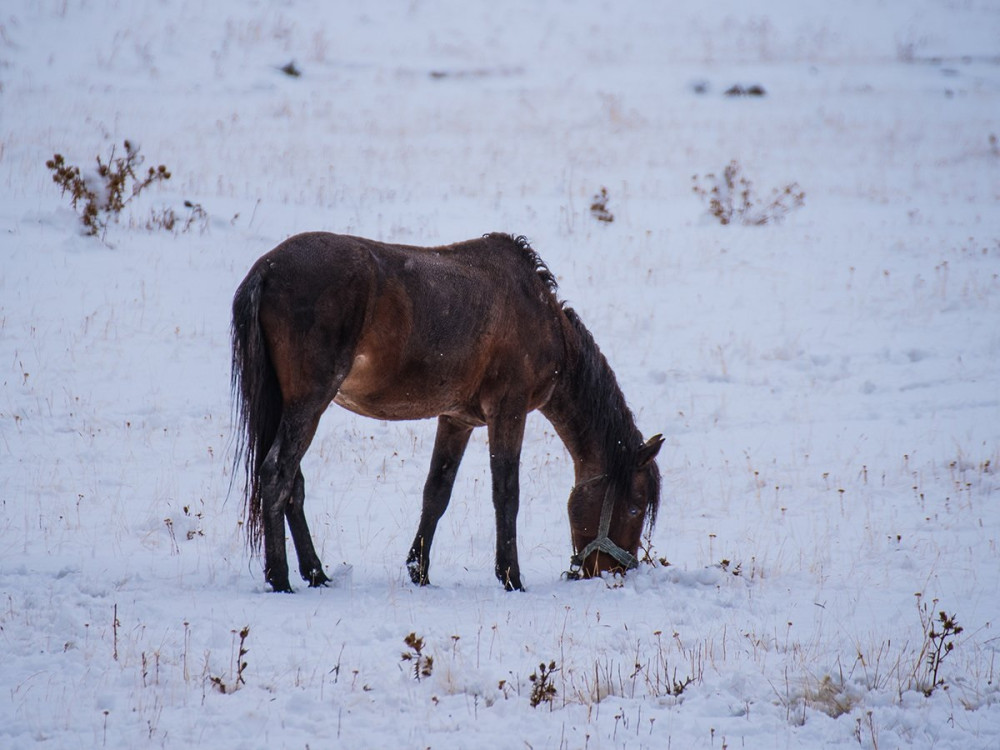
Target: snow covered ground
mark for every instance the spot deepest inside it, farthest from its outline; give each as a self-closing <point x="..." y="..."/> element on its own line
<point x="828" y="384"/>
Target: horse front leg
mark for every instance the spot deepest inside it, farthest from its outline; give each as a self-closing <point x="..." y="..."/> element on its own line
<point x="506" y="432"/>
<point x="449" y="447"/>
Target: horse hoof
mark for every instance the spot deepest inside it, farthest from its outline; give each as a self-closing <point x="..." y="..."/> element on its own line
<point x="417" y="575"/>
<point x="316" y="578"/>
<point x="513" y="585"/>
<point x="510" y="579"/>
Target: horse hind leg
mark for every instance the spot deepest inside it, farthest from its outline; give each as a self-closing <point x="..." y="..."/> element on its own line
<point x="310" y="366"/>
<point x="280" y="481"/>
<point x="310" y="566"/>
<point x="449" y="447"/>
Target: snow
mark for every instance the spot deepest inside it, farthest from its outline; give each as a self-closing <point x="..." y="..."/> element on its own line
<point x="827" y="384"/>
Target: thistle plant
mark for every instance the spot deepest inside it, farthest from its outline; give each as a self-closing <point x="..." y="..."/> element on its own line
<point x="732" y="199"/>
<point x="102" y="195"/>
<point x="939" y="641"/>
<point x="542" y="689"/>
<point x="423" y="665"/>
<point x="238" y="673"/>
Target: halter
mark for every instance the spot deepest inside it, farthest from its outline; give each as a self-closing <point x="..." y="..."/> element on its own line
<point x="602" y="543"/>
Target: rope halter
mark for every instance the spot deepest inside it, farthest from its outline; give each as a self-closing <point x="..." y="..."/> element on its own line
<point x="602" y="542"/>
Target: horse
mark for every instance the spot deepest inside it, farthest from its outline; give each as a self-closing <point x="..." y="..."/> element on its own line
<point x="471" y="333"/>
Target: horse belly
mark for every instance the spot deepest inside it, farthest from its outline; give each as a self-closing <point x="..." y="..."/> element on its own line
<point x="378" y="406"/>
<point x="393" y="393"/>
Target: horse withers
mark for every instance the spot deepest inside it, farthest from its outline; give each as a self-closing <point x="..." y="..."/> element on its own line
<point x="471" y="333"/>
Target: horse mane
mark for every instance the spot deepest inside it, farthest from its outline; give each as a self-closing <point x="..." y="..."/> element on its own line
<point x="604" y="411"/>
<point x="526" y="250"/>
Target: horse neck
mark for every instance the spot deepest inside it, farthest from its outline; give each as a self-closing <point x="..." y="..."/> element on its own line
<point x="588" y="409"/>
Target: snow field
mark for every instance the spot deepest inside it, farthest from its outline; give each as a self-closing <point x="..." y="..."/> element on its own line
<point x="827" y="385"/>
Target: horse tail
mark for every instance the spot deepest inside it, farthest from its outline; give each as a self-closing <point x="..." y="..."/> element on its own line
<point x="256" y="399"/>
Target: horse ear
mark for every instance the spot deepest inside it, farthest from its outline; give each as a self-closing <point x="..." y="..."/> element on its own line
<point x="648" y="451"/>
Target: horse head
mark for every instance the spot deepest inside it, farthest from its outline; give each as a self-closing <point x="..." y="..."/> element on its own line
<point x="607" y="513"/>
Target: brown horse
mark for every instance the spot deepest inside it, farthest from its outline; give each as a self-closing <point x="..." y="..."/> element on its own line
<point x="470" y="333"/>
